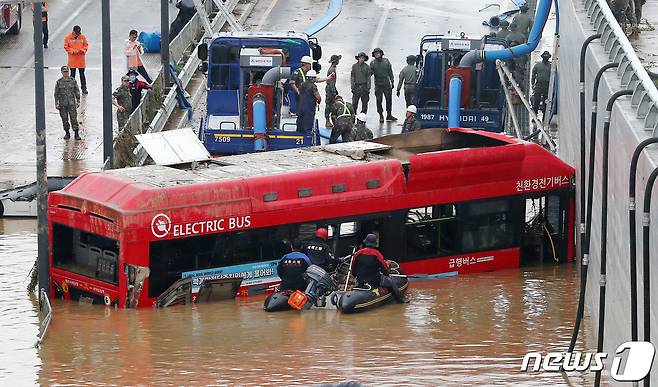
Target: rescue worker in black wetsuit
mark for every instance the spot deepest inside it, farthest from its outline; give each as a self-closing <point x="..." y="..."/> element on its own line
<point x="371" y="269"/>
<point x="291" y="268"/>
<point x="319" y="251"/>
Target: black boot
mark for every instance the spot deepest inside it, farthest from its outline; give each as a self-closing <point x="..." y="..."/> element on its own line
<point x="77" y="136"/>
<point x="390" y="117"/>
<point x="67" y="135"/>
<point x="381" y="118"/>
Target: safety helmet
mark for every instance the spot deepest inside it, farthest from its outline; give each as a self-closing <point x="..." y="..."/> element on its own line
<point x="362" y="117"/>
<point x="322" y="233"/>
<point x="370" y="240"/>
<point x="311" y="74"/>
<point x="546" y="54"/>
<point x="377" y="50"/>
<point x="412" y="109"/>
<point x="307" y="59"/>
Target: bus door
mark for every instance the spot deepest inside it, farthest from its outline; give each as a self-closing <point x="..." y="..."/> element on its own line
<point x="546" y="232"/>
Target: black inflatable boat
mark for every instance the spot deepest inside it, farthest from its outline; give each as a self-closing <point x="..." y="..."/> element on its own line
<point x="360" y="300"/>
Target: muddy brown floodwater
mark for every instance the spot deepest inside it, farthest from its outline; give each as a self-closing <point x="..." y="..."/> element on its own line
<point x="462" y="330"/>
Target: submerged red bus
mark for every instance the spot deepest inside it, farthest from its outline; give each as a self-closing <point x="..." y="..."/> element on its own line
<point x="441" y="200"/>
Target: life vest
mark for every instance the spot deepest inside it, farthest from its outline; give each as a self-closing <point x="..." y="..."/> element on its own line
<point x="346" y="111"/>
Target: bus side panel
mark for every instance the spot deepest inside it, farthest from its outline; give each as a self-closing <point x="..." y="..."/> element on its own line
<point x="466" y="263"/>
<point x="135" y="254"/>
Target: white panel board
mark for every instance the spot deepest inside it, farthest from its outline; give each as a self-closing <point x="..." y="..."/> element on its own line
<point x="174" y="147"/>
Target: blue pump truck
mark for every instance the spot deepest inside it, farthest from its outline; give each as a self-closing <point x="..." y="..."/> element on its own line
<point x="250" y="105"/>
<point x="482" y="104"/>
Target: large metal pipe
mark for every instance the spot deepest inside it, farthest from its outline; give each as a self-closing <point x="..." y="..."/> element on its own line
<point x="164" y="42"/>
<point x="454" y="99"/>
<point x="476" y="56"/>
<point x="275" y="74"/>
<point x="259" y="110"/>
<point x="106" y="59"/>
<point x="42" y="175"/>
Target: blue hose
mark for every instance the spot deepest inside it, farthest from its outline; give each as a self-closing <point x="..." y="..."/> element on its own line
<point x="260" y="124"/>
<point x="335" y="6"/>
<point x="454" y="99"/>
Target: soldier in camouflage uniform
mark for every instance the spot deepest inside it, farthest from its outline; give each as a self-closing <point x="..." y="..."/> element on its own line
<point x="123" y="101"/>
<point x="330" y="90"/>
<point x="67" y="100"/>
<point x="541" y="76"/>
<point x="342" y="114"/>
<point x="523" y="21"/>
<point x="408" y="77"/>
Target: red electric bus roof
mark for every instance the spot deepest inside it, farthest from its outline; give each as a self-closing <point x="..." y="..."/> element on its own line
<point x="409" y="163"/>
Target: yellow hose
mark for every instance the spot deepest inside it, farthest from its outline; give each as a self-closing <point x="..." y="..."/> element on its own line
<point x="550" y="238"/>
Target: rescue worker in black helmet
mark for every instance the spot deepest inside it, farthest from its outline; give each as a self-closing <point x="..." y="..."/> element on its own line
<point x="371" y="269"/>
<point x="319" y="252"/>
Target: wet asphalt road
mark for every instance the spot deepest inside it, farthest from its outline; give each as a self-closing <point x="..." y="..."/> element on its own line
<point x="65" y="158"/>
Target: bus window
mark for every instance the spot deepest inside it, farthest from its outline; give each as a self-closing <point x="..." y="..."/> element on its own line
<point x="84" y="253"/>
<point x="431" y="231"/>
<point x="170" y="258"/>
<point x="487" y="225"/>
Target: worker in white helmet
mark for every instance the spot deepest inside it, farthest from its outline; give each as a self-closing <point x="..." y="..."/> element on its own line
<point x="410" y="124"/>
<point x="309" y="98"/>
<point x="299" y="77"/>
<point x="361" y="131"/>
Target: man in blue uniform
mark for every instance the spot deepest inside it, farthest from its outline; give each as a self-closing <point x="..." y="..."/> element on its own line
<point x="291" y="268"/>
<point x="309" y="98"/>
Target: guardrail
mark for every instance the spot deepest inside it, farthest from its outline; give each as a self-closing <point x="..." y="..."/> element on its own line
<point x="154" y="111"/>
<point x="633" y="75"/>
<point x="46" y="311"/>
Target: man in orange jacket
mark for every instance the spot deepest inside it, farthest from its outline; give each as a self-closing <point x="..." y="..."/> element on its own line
<point x="76" y="46"/>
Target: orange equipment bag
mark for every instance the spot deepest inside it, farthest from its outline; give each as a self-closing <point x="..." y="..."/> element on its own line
<point x="297" y="300"/>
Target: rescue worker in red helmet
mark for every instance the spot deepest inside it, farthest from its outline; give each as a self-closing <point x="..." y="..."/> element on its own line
<point x="319" y="251"/>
